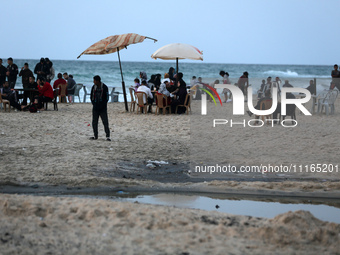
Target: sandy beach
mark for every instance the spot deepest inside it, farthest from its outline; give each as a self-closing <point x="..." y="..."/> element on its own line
<point x="52" y="149"/>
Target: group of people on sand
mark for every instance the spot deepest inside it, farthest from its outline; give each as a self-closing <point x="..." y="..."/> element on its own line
<point x="242" y="83"/>
<point x="38" y="90"/>
<point x="174" y="92"/>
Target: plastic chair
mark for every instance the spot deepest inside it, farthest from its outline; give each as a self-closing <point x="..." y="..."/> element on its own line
<point x="140" y="96"/>
<point x="161" y="98"/>
<point x="328" y="102"/>
<point x="86" y="93"/>
<point x="319" y="99"/>
<point x="62" y="95"/>
<point x="187" y="103"/>
<point x="54" y="100"/>
<point x="114" y="95"/>
<point x="77" y="89"/>
<point x="133" y="100"/>
<point x="5" y="102"/>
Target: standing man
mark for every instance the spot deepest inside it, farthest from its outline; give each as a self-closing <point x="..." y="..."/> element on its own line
<point x="51" y="75"/>
<point x="3" y="71"/>
<point x="335" y="78"/>
<point x="243" y="83"/>
<point x="25" y="74"/>
<point x="12" y="72"/>
<point x="42" y="69"/>
<point x="99" y="99"/>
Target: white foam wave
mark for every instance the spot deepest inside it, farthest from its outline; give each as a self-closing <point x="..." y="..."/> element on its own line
<point x="292" y="74"/>
<point x="286" y="73"/>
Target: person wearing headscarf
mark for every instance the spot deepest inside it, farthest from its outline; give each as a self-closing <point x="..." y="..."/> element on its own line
<point x="151" y="82"/>
<point x="179" y="95"/>
<point x="157" y="81"/>
<point x="143" y="77"/>
<point x="172" y="74"/>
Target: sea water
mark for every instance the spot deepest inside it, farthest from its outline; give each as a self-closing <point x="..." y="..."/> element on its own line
<point x="109" y="71"/>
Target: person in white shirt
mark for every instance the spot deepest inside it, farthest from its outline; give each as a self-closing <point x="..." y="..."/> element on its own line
<point x="162" y="89"/>
<point x="226" y="80"/>
<point x="147" y="90"/>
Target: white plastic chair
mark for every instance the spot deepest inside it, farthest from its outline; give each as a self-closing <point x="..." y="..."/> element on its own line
<point x="77" y="89"/>
<point x="321" y="97"/>
<point x="114" y="95"/>
<point x="86" y="93"/>
<point x="328" y="102"/>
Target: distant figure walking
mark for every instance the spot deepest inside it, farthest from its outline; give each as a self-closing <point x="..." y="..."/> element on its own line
<point x="335" y="78"/>
<point x="99" y="99"/>
<point x="243" y="83"/>
<point x="226" y="80"/>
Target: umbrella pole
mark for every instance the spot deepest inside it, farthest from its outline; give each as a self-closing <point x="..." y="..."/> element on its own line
<point x="123" y="83"/>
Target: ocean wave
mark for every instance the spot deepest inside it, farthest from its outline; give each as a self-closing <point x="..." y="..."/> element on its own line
<point x="287" y="73"/>
<point x="292" y="74"/>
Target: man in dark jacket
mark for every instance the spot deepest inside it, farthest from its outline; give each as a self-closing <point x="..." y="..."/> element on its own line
<point x="25" y="73"/>
<point x="3" y="71"/>
<point x="12" y="73"/>
<point x="41" y="69"/>
<point x="99" y="99"/>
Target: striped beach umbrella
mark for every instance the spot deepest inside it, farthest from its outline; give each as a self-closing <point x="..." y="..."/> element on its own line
<point x="113" y="44"/>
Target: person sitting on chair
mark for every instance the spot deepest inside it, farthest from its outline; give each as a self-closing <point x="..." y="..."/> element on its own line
<point x="289" y="109"/>
<point x="10" y="95"/>
<point x="258" y="105"/>
<point x="179" y="95"/>
<point x="311" y="87"/>
<point x="45" y="93"/>
<point x="163" y="88"/>
<point x="71" y="86"/>
<point x="30" y="94"/>
<point x="60" y="80"/>
<point x="144" y="88"/>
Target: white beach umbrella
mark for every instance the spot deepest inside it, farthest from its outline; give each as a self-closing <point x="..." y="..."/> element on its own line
<point x="178" y="51"/>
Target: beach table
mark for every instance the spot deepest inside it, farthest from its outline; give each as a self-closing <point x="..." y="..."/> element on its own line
<point x="31" y="92"/>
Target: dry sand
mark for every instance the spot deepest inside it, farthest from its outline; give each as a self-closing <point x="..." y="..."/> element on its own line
<point x="52" y="148"/>
<point x="47" y="225"/>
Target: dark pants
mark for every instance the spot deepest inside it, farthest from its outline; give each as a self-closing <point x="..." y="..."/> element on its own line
<point x="13" y="101"/>
<point x="12" y="83"/>
<point x="95" y="117"/>
<point x="29" y="94"/>
<point x="42" y="100"/>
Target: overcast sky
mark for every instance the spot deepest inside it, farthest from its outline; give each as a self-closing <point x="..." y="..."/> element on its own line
<point x="242" y="31"/>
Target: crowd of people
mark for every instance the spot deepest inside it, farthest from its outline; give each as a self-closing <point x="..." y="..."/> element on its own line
<point x="37" y="89"/>
<point x="172" y="86"/>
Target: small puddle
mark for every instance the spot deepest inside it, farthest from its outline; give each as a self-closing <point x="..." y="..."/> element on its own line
<point x="323" y="210"/>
